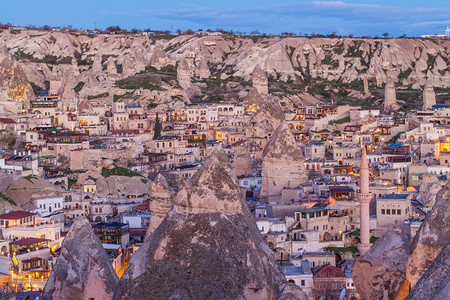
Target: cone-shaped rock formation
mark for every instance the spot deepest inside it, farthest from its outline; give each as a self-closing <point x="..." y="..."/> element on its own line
<point x="207" y="247"/>
<point x="83" y="269"/>
<point x="160" y="201"/>
<point x="283" y="163"/>
<point x="260" y="80"/>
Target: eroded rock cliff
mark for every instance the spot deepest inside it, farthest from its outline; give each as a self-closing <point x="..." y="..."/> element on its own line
<point x="207" y="247"/>
<point x="379" y="273"/>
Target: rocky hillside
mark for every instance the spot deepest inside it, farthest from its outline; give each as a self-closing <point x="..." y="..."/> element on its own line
<point x="174" y="69"/>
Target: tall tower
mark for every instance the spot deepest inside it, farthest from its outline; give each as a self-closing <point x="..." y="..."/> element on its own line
<point x="364" y="198"/>
<point x="447" y="32"/>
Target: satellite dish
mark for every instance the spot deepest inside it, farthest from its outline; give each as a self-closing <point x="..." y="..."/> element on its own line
<point x="342" y="295"/>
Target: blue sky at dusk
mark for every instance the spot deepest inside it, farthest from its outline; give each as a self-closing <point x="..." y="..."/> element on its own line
<point x="397" y="17"/>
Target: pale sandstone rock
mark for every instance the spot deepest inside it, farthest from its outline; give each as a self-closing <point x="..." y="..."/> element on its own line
<point x="111" y="68"/>
<point x="24" y="190"/>
<point x="435" y="282"/>
<point x="267" y="119"/>
<point x="160" y="202"/>
<point x="127" y="67"/>
<point x="431" y="238"/>
<point x="429" y="97"/>
<point x="282" y="163"/>
<point x="119" y="186"/>
<point x="184" y="74"/>
<point x="390" y="98"/>
<point x="14" y="83"/>
<point x="379" y="273"/>
<point x="207" y="247"/>
<point x="83" y="269"/>
<point x="97" y="65"/>
<point x="202" y="70"/>
<point x="253" y="101"/>
<point x="159" y="58"/>
<point x="260" y="80"/>
<point x="366" y="84"/>
<point x="242" y="161"/>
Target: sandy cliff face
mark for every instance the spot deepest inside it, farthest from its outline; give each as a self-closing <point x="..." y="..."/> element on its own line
<point x="207" y="247"/>
<point x="225" y="65"/>
<point x="432" y="236"/>
<point x="14" y="83"/>
<point x="435" y="282"/>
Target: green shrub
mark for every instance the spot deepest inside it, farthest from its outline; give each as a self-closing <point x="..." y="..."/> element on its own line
<point x="119" y="171"/>
<point x="79" y="86"/>
<point x="99" y="96"/>
<point x="340" y="121"/>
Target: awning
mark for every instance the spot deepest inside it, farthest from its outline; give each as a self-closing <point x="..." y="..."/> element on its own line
<point x="31" y="260"/>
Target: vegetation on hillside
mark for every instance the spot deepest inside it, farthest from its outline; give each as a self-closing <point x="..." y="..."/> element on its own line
<point x="119" y="171"/>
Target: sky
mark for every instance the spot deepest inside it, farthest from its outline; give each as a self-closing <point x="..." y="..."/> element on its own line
<point x="357" y="17"/>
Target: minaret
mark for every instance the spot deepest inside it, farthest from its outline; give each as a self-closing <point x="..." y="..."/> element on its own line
<point x="364" y="198"/>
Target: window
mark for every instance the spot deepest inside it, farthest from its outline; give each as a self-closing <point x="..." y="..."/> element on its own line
<point x="302" y="283"/>
<point x="399" y="212"/>
<point x="393" y="211"/>
<point x="388" y="211"/>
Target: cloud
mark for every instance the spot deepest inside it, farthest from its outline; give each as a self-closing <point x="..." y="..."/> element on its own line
<point x="327" y="15"/>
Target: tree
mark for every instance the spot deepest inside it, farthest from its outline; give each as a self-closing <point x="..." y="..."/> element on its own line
<point x="113" y="28"/>
<point x="62" y="159"/>
<point x="7" y="139"/>
<point x="157" y="129"/>
<point x="385" y="35"/>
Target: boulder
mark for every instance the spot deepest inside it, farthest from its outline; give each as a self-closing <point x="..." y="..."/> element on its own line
<point x="379" y="273"/>
<point x="83" y="269"/>
<point x="207" y="247"/>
